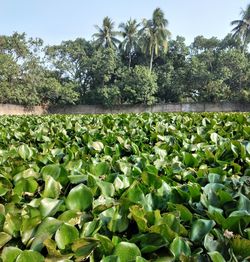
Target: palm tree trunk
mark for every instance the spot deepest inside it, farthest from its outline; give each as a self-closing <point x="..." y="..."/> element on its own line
<point x="151" y="60"/>
<point x="129" y="61"/>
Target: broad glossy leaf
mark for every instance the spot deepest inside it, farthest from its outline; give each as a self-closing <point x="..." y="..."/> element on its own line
<point x="200" y="228"/>
<point x="83" y="247"/>
<point x="111" y="259"/>
<point x="241" y="247"/>
<point x="66" y="234"/>
<point x="49" y="206"/>
<point x="31" y="256"/>
<point x="45" y="230"/>
<point x="97" y="145"/>
<point x="25" y="152"/>
<point x="179" y="247"/>
<point x="9" y="254"/>
<point x="100" y="169"/>
<point x="24" y="186"/>
<point x="138" y="215"/>
<point x="216" y="256"/>
<point x="4" y="238"/>
<point x="127" y="251"/>
<point x="52" y="187"/>
<point x="105" y="243"/>
<point x="80" y="198"/>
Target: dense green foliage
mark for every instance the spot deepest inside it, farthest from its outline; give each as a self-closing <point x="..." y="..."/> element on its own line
<point x="138" y="64"/>
<point x="146" y="187"/>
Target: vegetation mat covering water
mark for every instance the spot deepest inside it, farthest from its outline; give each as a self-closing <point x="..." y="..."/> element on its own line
<point x="146" y="187"/>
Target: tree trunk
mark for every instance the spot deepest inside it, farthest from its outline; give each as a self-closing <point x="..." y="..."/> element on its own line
<point x="129" y="61"/>
<point x="151" y="60"/>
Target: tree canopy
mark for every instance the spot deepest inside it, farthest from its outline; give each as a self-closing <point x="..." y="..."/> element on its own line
<point x="136" y="63"/>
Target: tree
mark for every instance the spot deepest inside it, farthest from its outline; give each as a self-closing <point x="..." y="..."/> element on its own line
<point x="106" y="35"/>
<point x="242" y="27"/>
<point x="70" y="63"/>
<point x="129" y="32"/>
<point x="139" y="86"/>
<point x="154" y="35"/>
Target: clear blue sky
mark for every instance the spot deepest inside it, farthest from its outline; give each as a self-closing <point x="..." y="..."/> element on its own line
<point x="58" y="20"/>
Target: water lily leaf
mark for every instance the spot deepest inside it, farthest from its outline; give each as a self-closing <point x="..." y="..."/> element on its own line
<point x="25" y="152"/>
<point x="111" y="259"/>
<point x="200" y="228"/>
<point x="210" y="244"/>
<point x="12" y="224"/>
<point x="97" y="145"/>
<point x="127" y="251"/>
<point x="31" y="256"/>
<point x="52" y="188"/>
<point x="244" y="203"/>
<point x="80" y="198"/>
<point x="190" y="160"/>
<point x="57" y="172"/>
<point x="49" y="206"/>
<point x="241" y="246"/>
<point x="216" y="256"/>
<point x="107" y="188"/>
<point x="90" y="228"/>
<point x="83" y="247"/>
<point x="138" y="215"/>
<point x="100" y="169"/>
<point x="179" y="247"/>
<point x="9" y="254"/>
<point x="66" y="234"/>
<point x="151" y="180"/>
<point x="119" y="221"/>
<point x="4" y="238"/>
<point x="24" y="186"/>
<point x="45" y="230"/>
<point x="105" y="243"/>
<point x="28" y="227"/>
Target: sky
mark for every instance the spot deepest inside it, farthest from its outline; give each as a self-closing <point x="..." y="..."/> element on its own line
<point x="58" y="20"/>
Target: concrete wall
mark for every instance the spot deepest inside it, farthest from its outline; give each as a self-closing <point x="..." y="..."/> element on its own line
<point x="8" y="109"/>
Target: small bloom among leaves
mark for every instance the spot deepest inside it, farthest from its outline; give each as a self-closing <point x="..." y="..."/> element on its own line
<point x="228" y="234"/>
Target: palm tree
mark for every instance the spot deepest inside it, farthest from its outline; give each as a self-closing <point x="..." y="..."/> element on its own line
<point x="154" y="35"/>
<point x="106" y="35"/>
<point x="129" y="32"/>
<point x="242" y="27"/>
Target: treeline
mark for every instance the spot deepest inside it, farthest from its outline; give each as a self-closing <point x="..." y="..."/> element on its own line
<point x="138" y="64"/>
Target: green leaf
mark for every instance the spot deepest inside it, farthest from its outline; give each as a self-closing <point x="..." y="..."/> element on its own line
<point x="45" y="230"/>
<point x="4" y="238"/>
<point x="100" y="169"/>
<point x="190" y="160"/>
<point x="24" y="186"/>
<point x="111" y="259"/>
<point x="216" y="256"/>
<point x="9" y="254"/>
<point x="105" y="243"/>
<point x="52" y="187"/>
<point x="83" y="247"/>
<point x="57" y="172"/>
<point x="241" y="247"/>
<point x="200" y="228"/>
<point x="31" y="256"/>
<point x="127" y="251"/>
<point x="49" y="206"/>
<point x="97" y="145"/>
<point x="151" y="180"/>
<point x="66" y="234"/>
<point x="210" y="244"/>
<point x="80" y="198"/>
<point x="138" y="215"/>
<point x="179" y="247"/>
<point x="25" y="152"/>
